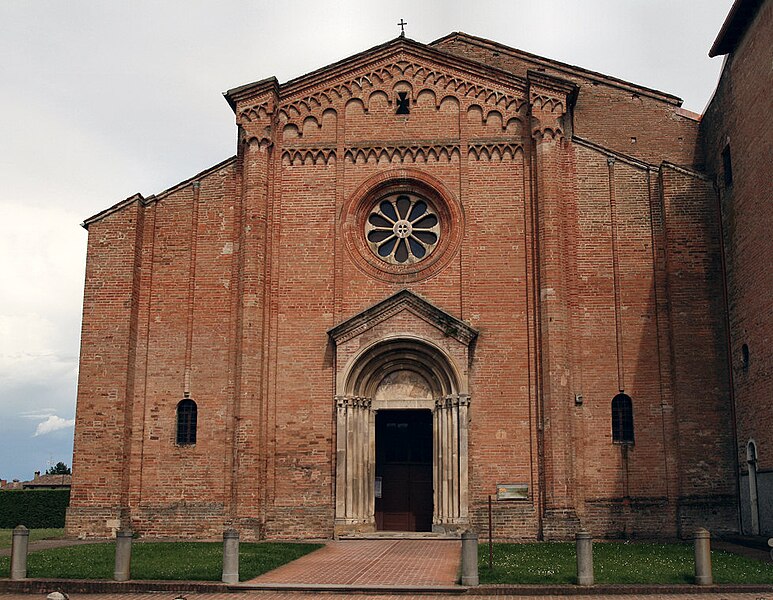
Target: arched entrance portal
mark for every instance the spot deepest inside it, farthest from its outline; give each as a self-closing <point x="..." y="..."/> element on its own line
<point x="402" y="434"/>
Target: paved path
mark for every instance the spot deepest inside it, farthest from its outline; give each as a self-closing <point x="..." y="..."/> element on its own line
<point x="374" y="562"/>
<point x="326" y="596"/>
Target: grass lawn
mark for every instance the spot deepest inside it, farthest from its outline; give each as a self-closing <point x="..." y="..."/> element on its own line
<point x="35" y="535"/>
<point x="197" y="561"/>
<point x="554" y="562"/>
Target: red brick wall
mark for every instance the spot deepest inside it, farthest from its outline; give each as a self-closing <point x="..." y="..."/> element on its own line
<point x="738" y="115"/>
<point x="227" y="286"/>
<point x="108" y="355"/>
<point x="608" y="111"/>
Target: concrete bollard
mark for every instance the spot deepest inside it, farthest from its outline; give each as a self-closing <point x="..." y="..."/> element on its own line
<point x="470" y="558"/>
<point x="703" y="558"/>
<point x="123" y="555"/>
<point x="230" y="556"/>
<point x="584" y="545"/>
<point x="19" y="545"/>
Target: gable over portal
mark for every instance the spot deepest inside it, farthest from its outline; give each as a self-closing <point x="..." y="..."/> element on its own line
<point x="403" y="323"/>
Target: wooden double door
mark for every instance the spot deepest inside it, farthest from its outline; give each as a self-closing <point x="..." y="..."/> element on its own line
<point x="404" y="470"/>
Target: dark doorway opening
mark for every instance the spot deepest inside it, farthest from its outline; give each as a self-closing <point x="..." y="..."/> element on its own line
<point x="404" y="470"/>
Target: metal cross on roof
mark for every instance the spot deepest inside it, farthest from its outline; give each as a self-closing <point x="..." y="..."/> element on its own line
<point x="402" y="25"/>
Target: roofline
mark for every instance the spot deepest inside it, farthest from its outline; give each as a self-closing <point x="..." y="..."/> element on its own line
<point x="565" y="67"/>
<point x="233" y="95"/>
<point x="155" y="197"/>
<point x="298" y="84"/>
<point x="741" y="14"/>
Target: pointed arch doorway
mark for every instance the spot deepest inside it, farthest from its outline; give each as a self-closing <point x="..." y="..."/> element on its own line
<point x="402" y="419"/>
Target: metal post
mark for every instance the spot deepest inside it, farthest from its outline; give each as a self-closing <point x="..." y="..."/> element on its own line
<point x="490" y="537"/>
<point x="19" y="545"/>
<point x="703" y="557"/>
<point x="584" y="546"/>
<point x="230" y="556"/>
<point x="123" y="555"/>
<point x="470" y="558"/>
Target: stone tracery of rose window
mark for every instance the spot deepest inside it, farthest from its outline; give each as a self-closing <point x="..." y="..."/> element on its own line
<point x="402" y="229"/>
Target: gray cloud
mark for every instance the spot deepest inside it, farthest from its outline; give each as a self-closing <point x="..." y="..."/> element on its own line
<point x="99" y="100"/>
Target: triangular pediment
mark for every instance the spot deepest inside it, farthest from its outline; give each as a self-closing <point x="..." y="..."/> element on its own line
<point x="445" y="322"/>
<point x="401" y="58"/>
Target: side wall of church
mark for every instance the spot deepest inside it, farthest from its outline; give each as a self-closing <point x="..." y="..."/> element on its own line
<point x="641" y="123"/>
<point x="163" y="271"/>
<point x="108" y="354"/>
<point x="737" y="121"/>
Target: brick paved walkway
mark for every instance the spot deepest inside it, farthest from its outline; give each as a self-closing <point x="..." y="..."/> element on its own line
<point x="374" y="562"/>
<point x="312" y="596"/>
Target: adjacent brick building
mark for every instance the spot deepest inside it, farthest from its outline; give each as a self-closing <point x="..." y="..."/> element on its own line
<point x="431" y="274"/>
<point x="738" y="138"/>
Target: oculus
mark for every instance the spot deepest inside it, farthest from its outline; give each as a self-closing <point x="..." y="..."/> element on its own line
<point x="402" y="229"/>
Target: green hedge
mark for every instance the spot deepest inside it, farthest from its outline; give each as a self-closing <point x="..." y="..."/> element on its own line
<point x="34" y="509"/>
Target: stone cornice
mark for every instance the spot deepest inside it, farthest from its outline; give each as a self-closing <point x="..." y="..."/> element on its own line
<point x="404" y="299"/>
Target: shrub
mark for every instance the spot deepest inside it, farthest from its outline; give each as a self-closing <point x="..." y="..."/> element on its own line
<point x="33" y="508"/>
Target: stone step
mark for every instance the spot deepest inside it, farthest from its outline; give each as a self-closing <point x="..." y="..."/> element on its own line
<point x="401" y="535"/>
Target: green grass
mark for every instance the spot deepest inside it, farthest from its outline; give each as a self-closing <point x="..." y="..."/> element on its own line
<point x="554" y="563"/>
<point x="6" y="535"/>
<point x="196" y="561"/>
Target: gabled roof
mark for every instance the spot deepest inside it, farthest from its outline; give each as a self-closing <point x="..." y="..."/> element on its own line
<point x="298" y="85"/>
<point x="402" y="300"/>
<point x="49" y="481"/>
<point x="541" y="61"/>
<point x="145" y="201"/>
<point x="733" y="29"/>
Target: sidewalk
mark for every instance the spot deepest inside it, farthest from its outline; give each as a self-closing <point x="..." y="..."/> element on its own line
<point x="409" y="564"/>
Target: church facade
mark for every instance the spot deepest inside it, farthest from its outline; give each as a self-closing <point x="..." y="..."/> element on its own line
<point x="431" y="275"/>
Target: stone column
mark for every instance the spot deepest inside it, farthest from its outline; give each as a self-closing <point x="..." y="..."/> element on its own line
<point x="123" y="555"/>
<point x="355" y="460"/>
<point x="342" y="404"/>
<point x="19" y="546"/>
<point x="450" y="462"/>
<point x="464" y="436"/>
<point x="437" y="496"/>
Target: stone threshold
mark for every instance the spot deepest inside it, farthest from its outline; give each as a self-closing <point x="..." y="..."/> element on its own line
<point x="400" y="535"/>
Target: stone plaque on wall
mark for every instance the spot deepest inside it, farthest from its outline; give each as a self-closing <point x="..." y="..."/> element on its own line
<point x="512" y="491"/>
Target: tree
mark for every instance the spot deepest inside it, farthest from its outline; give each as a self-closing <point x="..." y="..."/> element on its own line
<point x="58" y="469"/>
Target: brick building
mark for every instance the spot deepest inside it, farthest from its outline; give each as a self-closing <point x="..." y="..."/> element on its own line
<point x="737" y="133"/>
<point x="432" y="273"/>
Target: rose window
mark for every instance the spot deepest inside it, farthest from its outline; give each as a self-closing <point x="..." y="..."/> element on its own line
<point x="402" y="229"/>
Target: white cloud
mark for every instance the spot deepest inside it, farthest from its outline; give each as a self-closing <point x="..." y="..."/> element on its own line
<point x="53" y="423"/>
<point x="41" y="413"/>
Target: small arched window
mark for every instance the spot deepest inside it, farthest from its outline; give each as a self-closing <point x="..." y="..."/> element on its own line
<point x="186" y="422"/>
<point x="622" y="419"/>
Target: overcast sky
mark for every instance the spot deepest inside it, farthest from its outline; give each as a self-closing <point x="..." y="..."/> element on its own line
<point x="99" y="100"/>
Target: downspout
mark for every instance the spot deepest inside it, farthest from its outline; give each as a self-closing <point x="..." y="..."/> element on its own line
<point x="729" y="350"/>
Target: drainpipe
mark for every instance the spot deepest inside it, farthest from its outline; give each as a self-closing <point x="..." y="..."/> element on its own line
<point x="729" y="349"/>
